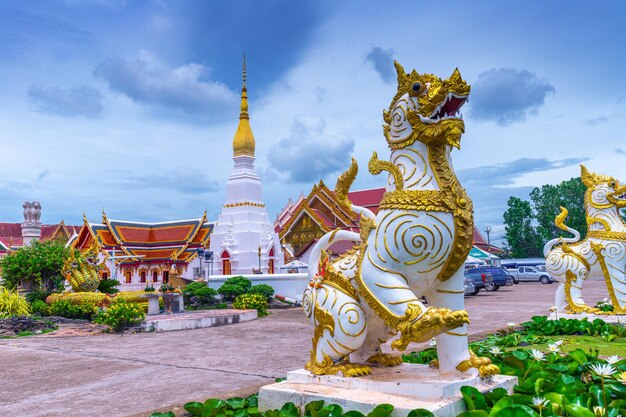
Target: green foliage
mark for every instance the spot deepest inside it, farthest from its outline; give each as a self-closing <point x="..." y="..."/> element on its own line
<point x="40" y="308"/>
<point x="233" y="287"/>
<point x="38" y="294"/>
<point x="248" y="407"/>
<point x="547" y="201"/>
<point x="12" y="304"/>
<point x="566" y="381"/>
<point x="265" y="290"/>
<point x="165" y="287"/>
<point x="529" y="224"/>
<point x="121" y="314"/>
<point x="67" y="309"/>
<point x="39" y="263"/>
<point x="256" y="302"/>
<point x="108" y="286"/>
<point x="521" y="237"/>
<point x="149" y="288"/>
<point x="200" y="294"/>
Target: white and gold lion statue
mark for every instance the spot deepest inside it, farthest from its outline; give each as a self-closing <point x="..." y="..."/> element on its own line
<point x="602" y="253"/>
<point x="415" y="246"/>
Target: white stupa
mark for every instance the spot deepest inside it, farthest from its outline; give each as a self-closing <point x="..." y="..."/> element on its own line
<point x="243" y="237"/>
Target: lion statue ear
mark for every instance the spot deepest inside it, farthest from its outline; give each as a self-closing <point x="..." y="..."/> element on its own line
<point x="586" y="176"/>
<point x="400" y="71"/>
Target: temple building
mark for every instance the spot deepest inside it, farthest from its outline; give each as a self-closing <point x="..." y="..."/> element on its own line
<point x="244" y="241"/>
<point x="138" y="254"/>
<point x="302" y="222"/>
<point x="15" y="235"/>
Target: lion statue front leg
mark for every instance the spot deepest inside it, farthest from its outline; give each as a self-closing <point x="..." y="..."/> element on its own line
<point x="452" y="345"/>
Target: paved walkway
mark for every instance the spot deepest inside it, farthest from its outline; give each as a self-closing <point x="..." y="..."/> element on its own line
<point x="112" y="375"/>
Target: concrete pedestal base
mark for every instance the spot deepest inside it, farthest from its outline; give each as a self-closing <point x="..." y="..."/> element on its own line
<point x="614" y="319"/>
<point x="406" y="387"/>
<point x="196" y="319"/>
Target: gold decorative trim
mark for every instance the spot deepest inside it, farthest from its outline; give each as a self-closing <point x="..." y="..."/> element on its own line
<point x="244" y="203"/>
<point x="423" y="200"/>
<point x="451" y="291"/>
<point x="376" y="166"/>
<point x="607" y="234"/>
<point x="344" y="182"/>
<point x="463" y="211"/>
<point x="597" y="249"/>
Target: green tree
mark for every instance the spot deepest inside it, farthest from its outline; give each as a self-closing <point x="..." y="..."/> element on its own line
<point x="522" y="239"/>
<point x="39" y="263"/>
<point x="547" y="201"/>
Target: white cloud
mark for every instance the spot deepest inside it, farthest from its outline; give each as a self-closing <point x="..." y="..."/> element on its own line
<point x="309" y="153"/>
<point x="187" y="88"/>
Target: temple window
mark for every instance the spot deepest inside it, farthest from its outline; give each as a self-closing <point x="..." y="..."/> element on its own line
<point x="143" y="276"/>
<point x="166" y="277"/>
<point x="226" y="263"/>
<point x="155" y="276"/>
<point x="129" y="276"/>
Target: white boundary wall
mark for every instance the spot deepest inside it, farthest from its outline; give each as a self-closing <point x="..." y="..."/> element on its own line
<point x="287" y="285"/>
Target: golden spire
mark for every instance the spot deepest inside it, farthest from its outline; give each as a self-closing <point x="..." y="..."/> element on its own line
<point x="243" y="142"/>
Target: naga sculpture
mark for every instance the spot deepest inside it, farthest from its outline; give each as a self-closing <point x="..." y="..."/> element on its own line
<point x="415" y="246"/>
<point x="602" y="253"/>
<point x="81" y="270"/>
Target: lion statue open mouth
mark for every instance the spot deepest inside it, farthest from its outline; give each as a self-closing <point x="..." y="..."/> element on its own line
<point x="415" y="246"/>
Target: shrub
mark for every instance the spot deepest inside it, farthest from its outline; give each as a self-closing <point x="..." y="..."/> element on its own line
<point x="265" y="290"/>
<point x="13" y="304"/>
<point x="233" y="287"/>
<point x="121" y="314"/>
<point x="65" y="308"/>
<point x="108" y="286"/>
<point x="38" y="294"/>
<point x="40" y="308"/>
<point x="251" y="302"/>
<point x="200" y="293"/>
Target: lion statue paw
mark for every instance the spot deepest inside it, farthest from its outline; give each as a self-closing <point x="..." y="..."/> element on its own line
<point x="485" y="368"/>
<point x="385" y="359"/>
<point x="420" y="328"/>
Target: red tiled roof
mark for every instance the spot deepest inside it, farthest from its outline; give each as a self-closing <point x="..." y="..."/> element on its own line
<point x="176" y="240"/>
<point x="11" y="233"/>
<point x="369" y="199"/>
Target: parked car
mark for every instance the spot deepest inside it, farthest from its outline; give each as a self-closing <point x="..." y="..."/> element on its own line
<point x="499" y="275"/>
<point x="531" y="274"/>
<point x="469" y="287"/>
<point x="479" y="279"/>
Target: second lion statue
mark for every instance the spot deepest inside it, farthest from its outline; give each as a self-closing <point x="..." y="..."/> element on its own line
<point x="416" y="245"/>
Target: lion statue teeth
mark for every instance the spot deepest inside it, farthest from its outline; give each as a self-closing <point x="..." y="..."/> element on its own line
<point x="415" y="246"/>
<point x="601" y="254"/>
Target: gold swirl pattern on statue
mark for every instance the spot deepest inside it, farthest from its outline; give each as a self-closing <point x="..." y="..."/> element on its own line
<point x="398" y="127"/>
<point x="426" y="244"/>
<point x="408" y="160"/>
<point x="351" y="319"/>
<point x="598" y="249"/>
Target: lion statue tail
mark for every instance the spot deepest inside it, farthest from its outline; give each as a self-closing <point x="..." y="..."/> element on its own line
<point x="325" y="242"/>
<point x="560" y="223"/>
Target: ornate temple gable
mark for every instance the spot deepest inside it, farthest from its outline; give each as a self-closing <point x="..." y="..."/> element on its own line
<point x="4" y="247"/>
<point x="304" y="232"/>
<point x="323" y="199"/>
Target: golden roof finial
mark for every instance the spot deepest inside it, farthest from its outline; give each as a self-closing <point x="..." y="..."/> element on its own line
<point x="243" y="142"/>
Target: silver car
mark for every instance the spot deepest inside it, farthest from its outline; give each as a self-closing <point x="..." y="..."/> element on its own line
<point x="469" y="287"/>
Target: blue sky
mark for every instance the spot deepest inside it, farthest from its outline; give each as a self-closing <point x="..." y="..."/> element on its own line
<point x="131" y="106"/>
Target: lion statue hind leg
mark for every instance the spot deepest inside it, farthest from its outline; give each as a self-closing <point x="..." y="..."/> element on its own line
<point x="340" y="329"/>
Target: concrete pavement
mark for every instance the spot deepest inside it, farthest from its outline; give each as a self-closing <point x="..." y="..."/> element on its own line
<point x="134" y="374"/>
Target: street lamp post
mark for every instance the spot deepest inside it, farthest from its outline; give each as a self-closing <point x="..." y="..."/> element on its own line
<point x="488" y="230"/>
<point x="260" y="260"/>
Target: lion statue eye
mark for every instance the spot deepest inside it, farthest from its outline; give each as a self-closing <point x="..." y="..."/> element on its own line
<point x="612" y="184"/>
<point x="416" y="87"/>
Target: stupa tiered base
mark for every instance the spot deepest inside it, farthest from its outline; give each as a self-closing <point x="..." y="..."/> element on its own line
<point x="406" y="387"/>
<point x="608" y="318"/>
